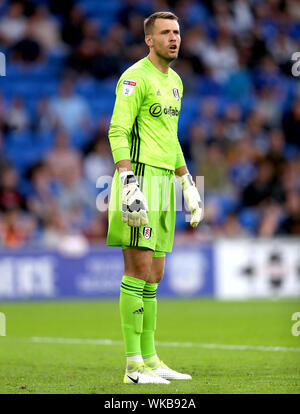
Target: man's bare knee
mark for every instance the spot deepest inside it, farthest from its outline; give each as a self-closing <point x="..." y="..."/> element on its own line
<point x="137" y="262"/>
<point x="157" y="270"/>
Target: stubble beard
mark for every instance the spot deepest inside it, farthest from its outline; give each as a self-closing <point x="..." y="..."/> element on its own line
<point x="164" y="57"/>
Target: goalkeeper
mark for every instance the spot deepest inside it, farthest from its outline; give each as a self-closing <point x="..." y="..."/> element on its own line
<point x="147" y="154"/>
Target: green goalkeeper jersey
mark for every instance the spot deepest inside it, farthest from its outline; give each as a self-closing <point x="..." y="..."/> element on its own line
<point x="144" y="123"/>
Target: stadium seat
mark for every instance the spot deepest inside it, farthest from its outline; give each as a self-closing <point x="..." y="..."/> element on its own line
<point x="249" y="219"/>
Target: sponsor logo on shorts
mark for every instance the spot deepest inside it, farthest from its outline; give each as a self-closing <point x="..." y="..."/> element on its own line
<point x="147" y="231"/>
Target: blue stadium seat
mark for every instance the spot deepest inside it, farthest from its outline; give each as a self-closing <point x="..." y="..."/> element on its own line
<point x="18" y="138"/>
<point x="44" y="140"/>
<point x="86" y="88"/>
<point x="249" y="219"/>
<point x="101" y="106"/>
<point x="79" y="139"/>
<point x="22" y="157"/>
<point x="181" y="223"/>
<point x="228" y="203"/>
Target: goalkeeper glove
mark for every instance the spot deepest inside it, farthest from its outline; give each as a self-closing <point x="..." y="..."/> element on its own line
<point x="192" y="198"/>
<point x="134" y="203"/>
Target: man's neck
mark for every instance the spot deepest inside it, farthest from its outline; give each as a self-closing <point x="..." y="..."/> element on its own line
<point x="161" y="64"/>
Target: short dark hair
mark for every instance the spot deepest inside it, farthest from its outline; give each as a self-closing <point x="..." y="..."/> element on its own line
<point x="149" y="22"/>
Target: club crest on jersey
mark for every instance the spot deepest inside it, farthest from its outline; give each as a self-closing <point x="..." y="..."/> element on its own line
<point x="128" y="87"/>
<point x="147" y="231"/>
<point x="176" y="93"/>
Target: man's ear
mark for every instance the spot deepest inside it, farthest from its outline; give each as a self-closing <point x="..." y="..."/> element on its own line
<point x="148" y="40"/>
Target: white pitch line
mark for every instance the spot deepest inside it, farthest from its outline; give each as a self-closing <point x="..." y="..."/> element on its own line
<point x="83" y="341"/>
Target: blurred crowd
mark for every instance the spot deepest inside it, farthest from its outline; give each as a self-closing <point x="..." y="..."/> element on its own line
<point x="239" y="125"/>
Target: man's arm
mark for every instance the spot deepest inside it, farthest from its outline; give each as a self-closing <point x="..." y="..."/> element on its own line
<point x="191" y="194"/>
<point x="123" y="165"/>
<point x="129" y="97"/>
<point x="179" y="172"/>
<point x="134" y="204"/>
<point x="128" y="101"/>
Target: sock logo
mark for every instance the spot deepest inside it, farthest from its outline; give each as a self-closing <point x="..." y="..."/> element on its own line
<point x="141" y="310"/>
<point x="147" y="232"/>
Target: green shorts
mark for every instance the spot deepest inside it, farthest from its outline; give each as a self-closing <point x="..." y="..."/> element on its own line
<point x="158" y="186"/>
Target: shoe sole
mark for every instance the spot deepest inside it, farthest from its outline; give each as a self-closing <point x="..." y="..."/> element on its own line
<point x="133" y="382"/>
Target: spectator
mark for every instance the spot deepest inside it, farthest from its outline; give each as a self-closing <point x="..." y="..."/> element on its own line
<point x="214" y="169"/>
<point x="256" y="45"/>
<point x="17" y="116"/>
<point x="41" y="199"/>
<point x="222" y="58"/>
<point x="261" y="189"/>
<point x="207" y="113"/>
<point x="275" y="153"/>
<point x="97" y="230"/>
<point x="291" y="125"/>
<point x="218" y="134"/>
<point x="13" y="24"/>
<point x="242" y="160"/>
<point x="16" y="228"/>
<point x="54" y="228"/>
<point x="268" y="106"/>
<point x="45" y="29"/>
<point x="84" y="56"/>
<point x="281" y="48"/>
<point x="255" y="125"/>
<point x="99" y="162"/>
<point x="234" y="128"/>
<point x="243" y="18"/>
<point x="70" y="110"/>
<point x="44" y="120"/>
<point x="10" y="197"/>
<point x="72" y="28"/>
<point x="231" y="227"/>
<point x="75" y="196"/>
<point x="270" y="220"/>
<point x="27" y="50"/>
<point x="62" y="157"/>
<point x="291" y="224"/>
<point x="197" y="139"/>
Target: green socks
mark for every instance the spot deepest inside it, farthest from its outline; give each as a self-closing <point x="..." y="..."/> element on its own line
<point x="138" y="308"/>
<point x="149" y="323"/>
<point x="132" y="312"/>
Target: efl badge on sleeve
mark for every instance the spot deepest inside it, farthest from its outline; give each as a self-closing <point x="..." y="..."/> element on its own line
<point x="128" y="87"/>
<point x="176" y="93"/>
<point x="147" y="231"/>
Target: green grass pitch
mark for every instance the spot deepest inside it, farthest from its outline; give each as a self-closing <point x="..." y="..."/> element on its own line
<point x="34" y="367"/>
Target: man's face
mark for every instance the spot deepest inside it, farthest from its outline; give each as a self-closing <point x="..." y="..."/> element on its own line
<point x="165" y="39"/>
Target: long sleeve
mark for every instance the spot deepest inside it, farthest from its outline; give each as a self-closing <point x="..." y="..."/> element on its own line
<point x="130" y="93"/>
<point x="180" y="161"/>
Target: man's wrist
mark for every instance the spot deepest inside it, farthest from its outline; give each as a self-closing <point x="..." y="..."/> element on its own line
<point x="127" y="177"/>
<point x="186" y="181"/>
